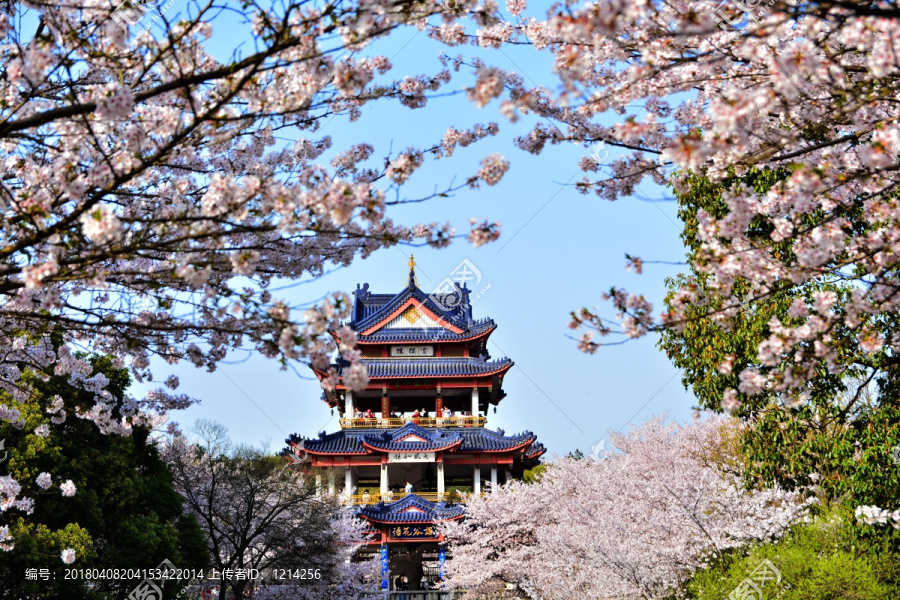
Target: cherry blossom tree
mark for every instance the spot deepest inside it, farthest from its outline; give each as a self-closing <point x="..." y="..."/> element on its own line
<point x="258" y="513"/>
<point x="839" y="431"/>
<point x="148" y="204"/>
<point x="665" y="502"/>
<point x="785" y="112"/>
<point x="691" y="88"/>
<point x="152" y="193"/>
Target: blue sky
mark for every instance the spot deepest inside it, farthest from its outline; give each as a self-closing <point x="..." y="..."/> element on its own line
<point x="559" y="250"/>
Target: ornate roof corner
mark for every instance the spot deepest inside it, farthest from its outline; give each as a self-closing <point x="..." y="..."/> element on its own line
<point x="292" y="452"/>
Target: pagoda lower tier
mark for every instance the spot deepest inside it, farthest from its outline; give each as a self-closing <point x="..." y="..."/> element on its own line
<point x="404" y="481"/>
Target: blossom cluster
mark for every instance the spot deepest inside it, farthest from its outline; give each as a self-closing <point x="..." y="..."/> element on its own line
<point x="786" y="92"/>
<point x="664" y="502"/>
<point x="873" y="515"/>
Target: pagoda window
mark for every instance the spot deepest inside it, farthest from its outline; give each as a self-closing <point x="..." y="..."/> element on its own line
<point x="452" y="351"/>
<point x="372" y="352"/>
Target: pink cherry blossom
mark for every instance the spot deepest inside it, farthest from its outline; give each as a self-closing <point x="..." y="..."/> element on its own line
<point x="114" y="101"/>
<point x="483" y="233"/>
<point x="44" y="480"/>
<point x="730" y="402"/>
<point x="101" y="224"/>
<point x="356" y="377"/>
<point x="493" y="167"/>
<point x="156" y="198"/>
<point x="67" y="488"/>
<point x="756" y="84"/>
<point x="488" y="86"/>
<point x="516" y="7"/>
<point x="6" y="540"/>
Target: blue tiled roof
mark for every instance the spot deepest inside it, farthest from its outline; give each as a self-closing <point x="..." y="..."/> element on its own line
<point x="394" y="512"/>
<point x="388" y="440"/>
<point x="332" y="443"/>
<point x="369" y="309"/>
<point x="485" y="440"/>
<point x="535" y="451"/>
<point x="430" y="367"/>
<point x="473" y="439"/>
<point x="433" y="334"/>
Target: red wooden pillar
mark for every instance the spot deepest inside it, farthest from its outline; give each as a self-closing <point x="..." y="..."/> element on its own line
<point x="438" y="402"/>
<point x="385" y="404"/>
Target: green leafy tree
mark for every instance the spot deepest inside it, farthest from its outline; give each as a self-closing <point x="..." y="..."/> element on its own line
<point x="534" y="474"/>
<point x="839" y="431"/>
<point x="124" y="514"/>
<point x="822" y="560"/>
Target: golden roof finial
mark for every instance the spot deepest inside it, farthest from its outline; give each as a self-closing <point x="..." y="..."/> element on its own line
<point x="412" y="269"/>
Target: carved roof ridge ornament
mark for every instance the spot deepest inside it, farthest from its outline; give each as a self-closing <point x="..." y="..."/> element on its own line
<point x="412" y="272"/>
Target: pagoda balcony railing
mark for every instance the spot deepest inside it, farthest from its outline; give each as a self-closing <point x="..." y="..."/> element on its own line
<point x="372" y="499"/>
<point x="392" y="423"/>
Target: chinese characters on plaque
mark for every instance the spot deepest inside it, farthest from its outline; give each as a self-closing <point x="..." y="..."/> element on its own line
<point x="417" y="351"/>
<point x="413" y="532"/>
<point x="410" y="457"/>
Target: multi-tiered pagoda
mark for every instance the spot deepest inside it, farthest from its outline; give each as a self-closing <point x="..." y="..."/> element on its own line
<point x="419" y="425"/>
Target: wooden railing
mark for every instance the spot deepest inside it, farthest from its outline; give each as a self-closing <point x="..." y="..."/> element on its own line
<point x="373" y="499"/>
<point x="391" y="423"/>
